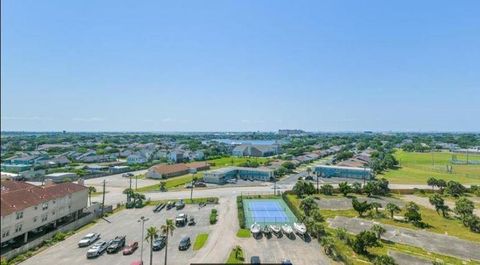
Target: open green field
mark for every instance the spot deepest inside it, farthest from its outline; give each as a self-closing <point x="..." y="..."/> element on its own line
<point x="234" y="161"/>
<point x="200" y="241"/>
<point x="416" y="168"/>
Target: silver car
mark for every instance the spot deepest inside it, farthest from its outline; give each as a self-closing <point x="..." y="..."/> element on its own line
<point x="88" y="239"/>
<point x="97" y="249"/>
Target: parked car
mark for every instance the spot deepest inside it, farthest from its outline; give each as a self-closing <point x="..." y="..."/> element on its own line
<point x="309" y="178"/>
<point x="189" y="185"/>
<point x="159" y="243"/>
<point x="179" y="204"/>
<point x="286" y="262"/>
<point x="128" y="250"/>
<point x="255" y="260"/>
<point x="117" y="244"/>
<point x="200" y="184"/>
<point x="184" y="243"/>
<point x="232" y="181"/>
<point x="137" y="262"/>
<point x="181" y="219"/>
<point x="88" y="239"/>
<point x="191" y="221"/>
<point x="170" y="205"/>
<point x="97" y="249"/>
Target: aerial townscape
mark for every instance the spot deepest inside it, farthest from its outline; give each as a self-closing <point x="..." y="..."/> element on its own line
<point x="312" y="132"/>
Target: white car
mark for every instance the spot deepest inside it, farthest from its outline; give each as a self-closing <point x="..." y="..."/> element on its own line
<point x="231" y="181"/>
<point x="97" y="249"/>
<point x="88" y="239"/>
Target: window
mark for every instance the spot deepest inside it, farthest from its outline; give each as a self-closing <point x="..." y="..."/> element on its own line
<point x="5" y="233"/>
<point x="19" y="215"/>
<point x="44" y="217"/>
<point x="35" y="219"/>
<point x="18" y="228"/>
<point x="53" y="212"/>
<point x="45" y="206"/>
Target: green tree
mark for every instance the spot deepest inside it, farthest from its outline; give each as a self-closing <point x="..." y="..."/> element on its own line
<point x="344" y="188"/>
<point x="167" y="229"/>
<point x="455" y="188"/>
<point x="360" y="207"/>
<point x="364" y="240"/>
<point x="341" y="233"/>
<point x="392" y="208"/>
<point x="326" y="189"/>
<point x="378" y="230"/>
<point x="152" y="232"/>
<point x="163" y="186"/>
<point x="308" y="205"/>
<point x="432" y="182"/>
<point x="437" y="201"/>
<point x="473" y="222"/>
<point x="370" y="188"/>
<point x="441" y="184"/>
<point x="357" y="187"/>
<point x="412" y="213"/>
<point x="376" y="205"/>
<point x="464" y="207"/>
<point x="384" y="260"/>
<point x="328" y="245"/>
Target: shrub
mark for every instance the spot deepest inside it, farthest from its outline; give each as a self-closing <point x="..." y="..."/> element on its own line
<point x="213" y="216"/>
<point x="241" y="214"/>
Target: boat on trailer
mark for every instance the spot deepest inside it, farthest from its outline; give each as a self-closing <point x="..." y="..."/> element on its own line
<point x="275" y="228"/>
<point x="287" y="229"/>
<point x="255" y="228"/>
<point x="299" y="228"/>
<point x="266" y="230"/>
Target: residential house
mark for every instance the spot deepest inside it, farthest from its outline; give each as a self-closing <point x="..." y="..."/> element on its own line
<point x="176" y="156"/>
<point x="256" y="150"/>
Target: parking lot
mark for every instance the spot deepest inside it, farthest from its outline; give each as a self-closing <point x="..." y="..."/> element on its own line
<point x="274" y="249"/>
<point x="126" y="223"/>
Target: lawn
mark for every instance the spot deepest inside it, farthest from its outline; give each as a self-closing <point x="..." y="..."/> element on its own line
<point x="234" y="161"/>
<point x="200" y="241"/>
<point x="171" y="183"/>
<point x="439" y="225"/>
<point x="243" y="233"/>
<point x="416" y="168"/>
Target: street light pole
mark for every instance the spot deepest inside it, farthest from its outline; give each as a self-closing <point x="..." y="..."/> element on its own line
<point x="318" y="174"/>
<point x="143" y="220"/>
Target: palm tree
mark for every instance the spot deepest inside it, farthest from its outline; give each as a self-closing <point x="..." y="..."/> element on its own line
<point x="309" y="170"/>
<point x="392" y="208"/>
<point x="378" y="230"/>
<point x="237" y="251"/>
<point x="167" y="229"/>
<point x="152" y="232"/>
<point x="91" y="190"/>
<point x="163" y="186"/>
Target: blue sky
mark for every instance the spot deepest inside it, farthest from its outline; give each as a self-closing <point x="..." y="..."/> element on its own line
<point x="240" y="65"/>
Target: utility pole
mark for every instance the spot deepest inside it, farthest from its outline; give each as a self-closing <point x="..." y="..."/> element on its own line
<point x="191" y="189"/>
<point x="143" y="220"/>
<point x="103" y="198"/>
<point x="136" y="179"/>
<point x="318" y="175"/>
<point x="130" y="182"/>
<point x="274" y="184"/>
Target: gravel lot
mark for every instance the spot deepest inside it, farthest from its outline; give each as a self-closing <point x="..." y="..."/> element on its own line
<point x="125" y="223"/>
<point x="438" y="243"/>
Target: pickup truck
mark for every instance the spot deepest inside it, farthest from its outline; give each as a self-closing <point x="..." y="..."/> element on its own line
<point x="117" y="244"/>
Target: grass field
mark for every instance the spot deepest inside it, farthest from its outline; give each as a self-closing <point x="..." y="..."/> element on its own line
<point x="200" y="241"/>
<point x="243" y="233"/>
<point x="416" y="168"/>
<point x="438" y="224"/>
<point x="234" y="161"/>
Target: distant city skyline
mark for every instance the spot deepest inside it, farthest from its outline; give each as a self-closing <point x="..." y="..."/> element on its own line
<point x="203" y="66"/>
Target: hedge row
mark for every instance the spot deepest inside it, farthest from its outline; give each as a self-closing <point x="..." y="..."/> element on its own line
<point x="292" y="207"/>
<point x="241" y="214"/>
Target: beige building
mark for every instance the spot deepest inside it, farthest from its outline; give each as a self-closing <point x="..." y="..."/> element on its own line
<point x="28" y="210"/>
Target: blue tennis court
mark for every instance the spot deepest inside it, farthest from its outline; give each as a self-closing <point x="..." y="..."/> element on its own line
<point x="267" y="211"/>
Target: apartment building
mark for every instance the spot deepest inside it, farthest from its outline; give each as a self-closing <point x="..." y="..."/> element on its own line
<point x="28" y="210"/>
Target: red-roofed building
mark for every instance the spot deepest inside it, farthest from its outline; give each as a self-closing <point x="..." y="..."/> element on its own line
<point x="26" y="208"/>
